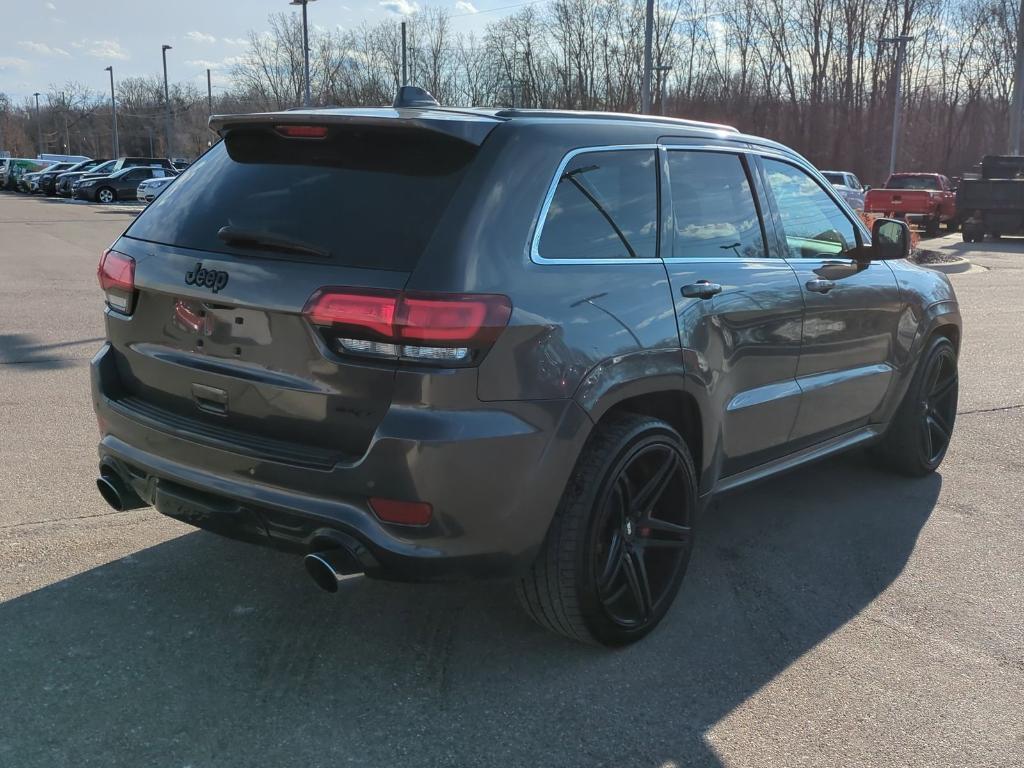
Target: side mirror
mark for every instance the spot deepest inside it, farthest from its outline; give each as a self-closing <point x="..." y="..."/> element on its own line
<point x="867" y="188"/>
<point x="890" y="239"/>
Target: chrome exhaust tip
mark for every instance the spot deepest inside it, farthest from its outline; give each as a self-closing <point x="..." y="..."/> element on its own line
<point x="331" y="566"/>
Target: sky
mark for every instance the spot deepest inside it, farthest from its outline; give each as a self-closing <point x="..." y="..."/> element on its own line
<point x="51" y="42"/>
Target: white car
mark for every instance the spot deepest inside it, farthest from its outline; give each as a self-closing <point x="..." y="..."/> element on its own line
<point x="848" y="186"/>
<point x="151" y="188"/>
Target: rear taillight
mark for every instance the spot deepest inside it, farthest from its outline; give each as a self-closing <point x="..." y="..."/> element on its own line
<point x="454" y="329"/>
<point x="116" y="274"/>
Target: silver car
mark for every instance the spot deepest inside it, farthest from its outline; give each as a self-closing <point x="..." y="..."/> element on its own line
<point x="150" y="189"/>
<point x="848" y="186"/>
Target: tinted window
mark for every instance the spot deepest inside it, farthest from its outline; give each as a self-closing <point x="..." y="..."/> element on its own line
<point x="368" y="198"/>
<point x="834" y="178"/>
<point x="913" y="182"/>
<point x="814" y="224"/>
<point x="713" y="207"/>
<point x="605" y="206"/>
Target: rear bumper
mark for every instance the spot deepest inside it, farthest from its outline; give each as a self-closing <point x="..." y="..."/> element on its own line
<point x="493" y="474"/>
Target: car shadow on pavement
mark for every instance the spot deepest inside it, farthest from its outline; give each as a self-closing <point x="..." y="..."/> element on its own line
<point x="206" y="652"/>
<point x="22" y="348"/>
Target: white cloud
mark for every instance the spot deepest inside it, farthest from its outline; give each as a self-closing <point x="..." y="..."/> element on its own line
<point x="202" y="64"/>
<point x="12" y="63"/>
<point x="236" y="40"/>
<point x="200" y="37"/>
<point x="400" y="7"/>
<point x="102" y="49"/>
<point x="465" y="7"/>
<point x="42" y="48"/>
<point x="51" y="7"/>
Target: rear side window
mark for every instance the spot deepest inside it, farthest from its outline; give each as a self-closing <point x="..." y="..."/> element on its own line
<point x="367" y="198"/>
<point x="713" y="207"/>
<point x="605" y="206"/>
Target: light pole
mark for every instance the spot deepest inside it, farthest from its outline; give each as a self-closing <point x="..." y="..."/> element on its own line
<point x="209" y="95"/>
<point x="167" y="103"/>
<point x="305" y="44"/>
<point x="645" y="86"/>
<point x="1017" y="102"/>
<point x="897" y="109"/>
<point x="113" y="111"/>
<point x="39" y="127"/>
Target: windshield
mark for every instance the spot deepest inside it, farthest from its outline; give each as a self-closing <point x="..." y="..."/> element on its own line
<point x="835" y="178"/>
<point x="913" y="182"/>
<point x="369" y="199"/>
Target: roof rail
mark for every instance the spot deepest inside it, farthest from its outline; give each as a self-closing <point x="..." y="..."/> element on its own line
<point x="621" y="116"/>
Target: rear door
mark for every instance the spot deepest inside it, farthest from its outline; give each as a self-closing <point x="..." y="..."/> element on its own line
<point x="738" y="304"/>
<point x="852" y="309"/>
<point x="218" y="344"/>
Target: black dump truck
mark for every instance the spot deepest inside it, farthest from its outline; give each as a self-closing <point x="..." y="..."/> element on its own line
<point x="993" y="205"/>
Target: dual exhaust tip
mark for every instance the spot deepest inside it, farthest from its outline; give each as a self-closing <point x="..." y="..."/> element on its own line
<point x="327" y="568"/>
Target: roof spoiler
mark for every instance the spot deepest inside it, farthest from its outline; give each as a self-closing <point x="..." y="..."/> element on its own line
<point x="411" y="116"/>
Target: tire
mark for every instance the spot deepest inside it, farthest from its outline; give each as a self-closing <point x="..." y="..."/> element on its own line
<point x="931" y="228"/>
<point x="918" y="436"/>
<point x="952" y="226"/>
<point x="995" y="237"/>
<point x="105" y="195"/>
<point x="603" y="576"/>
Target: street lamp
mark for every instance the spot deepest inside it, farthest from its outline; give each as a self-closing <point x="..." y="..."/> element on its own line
<point x="305" y="44"/>
<point x="113" y="111"/>
<point x="897" y="108"/>
<point x="39" y="126"/>
<point x="167" y="103"/>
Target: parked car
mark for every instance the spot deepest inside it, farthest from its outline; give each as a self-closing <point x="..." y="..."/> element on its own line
<point x="33" y="183"/>
<point x="849" y="186"/>
<point x="180" y="163"/>
<point x="544" y="385"/>
<point x="50" y="179"/>
<point x="928" y="199"/>
<point x="150" y="189"/>
<point x="27" y="180"/>
<point x="66" y="180"/>
<point x="119" y="185"/>
<point x="13" y="168"/>
<point x="993" y="205"/>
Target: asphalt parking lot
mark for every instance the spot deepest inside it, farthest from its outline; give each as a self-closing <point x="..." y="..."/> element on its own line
<point x="838" y="616"/>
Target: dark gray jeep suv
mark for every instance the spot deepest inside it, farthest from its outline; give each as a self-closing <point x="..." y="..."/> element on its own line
<point x="426" y="343"/>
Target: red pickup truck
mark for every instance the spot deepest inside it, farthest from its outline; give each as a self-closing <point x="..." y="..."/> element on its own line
<point x="922" y="198"/>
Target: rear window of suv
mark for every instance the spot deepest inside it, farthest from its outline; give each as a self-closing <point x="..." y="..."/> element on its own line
<point x="367" y="198"/>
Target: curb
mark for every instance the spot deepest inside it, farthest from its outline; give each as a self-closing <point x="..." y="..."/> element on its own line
<point x="960" y="265"/>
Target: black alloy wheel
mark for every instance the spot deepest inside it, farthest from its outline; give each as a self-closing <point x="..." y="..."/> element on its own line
<point x="643" y="536"/>
<point x="620" y="542"/>
<point x="918" y="437"/>
<point x="937" y="406"/>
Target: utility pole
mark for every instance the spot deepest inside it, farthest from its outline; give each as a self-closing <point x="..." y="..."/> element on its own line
<point x="167" y="103"/>
<point x="897" y="109"/>
<point x="67" y="136"/>
<point x="645" y="87"/>
<point x="1017" y="105"/>
<point x="209" y="95"/>
<point x="404" y="68"/>
<point x="305" y="45"/>
<point x="113" y="112"/>
<point x="39" y="127"/>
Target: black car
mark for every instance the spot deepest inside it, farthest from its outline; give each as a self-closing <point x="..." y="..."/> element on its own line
<point x="119" y="185"/>
<point x="65" y="182"/>
<point x="50" y="178"/>
<point x="426" y="343"/>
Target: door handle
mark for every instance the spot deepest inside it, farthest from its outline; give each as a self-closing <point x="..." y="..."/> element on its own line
<point x="820" y="286"/>
<point x="702" y="289"/>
